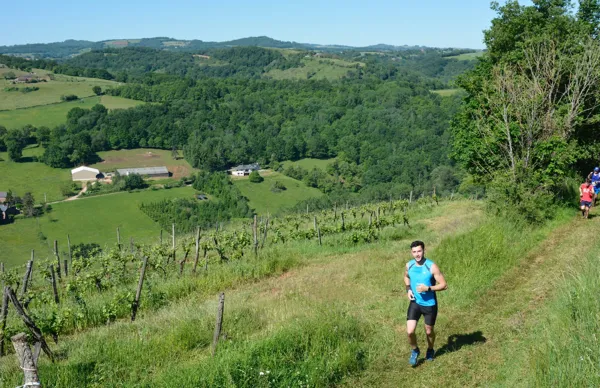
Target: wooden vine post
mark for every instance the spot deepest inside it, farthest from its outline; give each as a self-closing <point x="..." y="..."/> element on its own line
<point x="319" y="235"/>
<point x="173" y="240"/>
<point x="27" y="276"/>
<point x="255" y="232"/>
<point x="119" y="238"/>
<point x="54" y="288"/>
<point x="27" y="361"/>
<point x="219" y="323"/>
<point x="197" y="255"/>
<point x="3" y="315"/>
<point x="69" y="248"/>
<point x="58" y="263"/>
<point x="138" y="293"/>
<point x="262" y="245"/>
<point x="315" y="222"/>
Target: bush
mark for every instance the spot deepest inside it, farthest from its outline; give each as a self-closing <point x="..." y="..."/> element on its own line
<point x="278" y="187"/>
<point x="255" y="177"/>
<point x="68" y="97"/>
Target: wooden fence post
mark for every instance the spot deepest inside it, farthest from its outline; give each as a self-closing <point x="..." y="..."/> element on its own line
<point x="57" y="259"/>
<point x="255" y="232"/>
<point x="197" y="256"/>
<point x="343" y="222"/>
<point x="26" y="278"/>
<point x="3" y="315"/>
<point x="66" y="265"/>
<point x="118" y="238"/>
<point x="138" y="293"/>
<point x="410" y="198"/>
<point x="315" y="222"/>
<point x="173" y="238"/>
<point x="69" y="247"/>
<point x="219" y="323"/>
<point x="54" y="289"/>
<point x="26" y="360"/>
<point x="35" y="331"/>
<point x="161" y="237"/>
<point x="319" y="235"/>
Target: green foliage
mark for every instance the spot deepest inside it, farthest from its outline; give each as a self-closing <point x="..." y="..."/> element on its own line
<point x="68" y="97"/>
<point x="97" y="90"/>
<point x="255" y="177"/>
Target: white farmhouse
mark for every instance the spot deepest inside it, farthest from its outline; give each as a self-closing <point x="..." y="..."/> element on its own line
<point x="84" y="173"/>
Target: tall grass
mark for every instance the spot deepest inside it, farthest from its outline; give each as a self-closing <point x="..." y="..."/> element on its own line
<point x="568" y="353"/>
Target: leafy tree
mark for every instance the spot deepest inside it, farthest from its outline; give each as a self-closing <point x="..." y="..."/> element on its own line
<point x="10" y="75"/>
<point x="15" y="143"/>
<point x="255" y="177"/>
<point x="97" y="90"/>
<point x="28" y="204"/>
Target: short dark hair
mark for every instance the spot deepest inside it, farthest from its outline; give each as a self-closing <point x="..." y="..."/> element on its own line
<point x="417" y="243"/>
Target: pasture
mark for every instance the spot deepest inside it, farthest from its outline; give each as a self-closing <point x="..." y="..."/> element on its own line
<point x="264" y="200"/>
<point x="49" y="92"/>
<point x="468" y="56"/>
<point x="34" y="177"/>
<point x="309" y="163"/>
<point x="143" y="157"/>
<point x="446" y="92"/>
<point x="86" y="220"/>
<point x="315" y="68"/>
<point x="56" y="114"/>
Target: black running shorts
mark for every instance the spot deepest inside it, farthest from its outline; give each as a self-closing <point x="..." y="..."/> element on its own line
<point x="415" y="311"/>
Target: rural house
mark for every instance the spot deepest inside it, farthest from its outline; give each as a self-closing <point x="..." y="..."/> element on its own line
<point x="152" y="172"/>
<point x="26" y="78"/>
<point x="243" y="169"/>
<point x="3" y="195"/>
<point x="84" y="173"/>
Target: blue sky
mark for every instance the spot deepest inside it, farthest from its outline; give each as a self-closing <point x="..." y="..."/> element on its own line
<point x="439" y="23"/>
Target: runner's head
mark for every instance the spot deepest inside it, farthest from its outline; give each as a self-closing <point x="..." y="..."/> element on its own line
<point x="596" y="169"/>
<point x="417" y="249"/>
<point x="588" y="181"/>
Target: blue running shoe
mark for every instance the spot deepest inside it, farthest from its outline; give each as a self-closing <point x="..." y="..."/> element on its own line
<point x="414" y="355"/>
<point x="429" y="355"/>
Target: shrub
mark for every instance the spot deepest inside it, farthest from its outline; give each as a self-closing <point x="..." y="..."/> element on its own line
<point x="278" y="187"/>
<point x="255" y="177"/>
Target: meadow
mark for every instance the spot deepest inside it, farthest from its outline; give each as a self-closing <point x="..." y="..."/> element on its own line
<point x="315" y="68"/>
<point x="468" y="56"/>
<point x="49" y="92"/>
<point x="86" y="220"/>
<point x="309" y="163"/>
<point x="34" y="177"/>
<point x="56" y="114"/>
<point x="446" y="92"/>
<point x="143" y="157"/>
<point x="265" y="201"/>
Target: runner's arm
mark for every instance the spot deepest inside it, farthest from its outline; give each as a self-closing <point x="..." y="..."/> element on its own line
<point x="440" y="281"/>
<point x="409" y="292"/>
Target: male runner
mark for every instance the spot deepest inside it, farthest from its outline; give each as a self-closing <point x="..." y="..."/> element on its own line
<point x="594" y="176"/>
<point x="422" y="279"/>
<point x="586" y="196"/>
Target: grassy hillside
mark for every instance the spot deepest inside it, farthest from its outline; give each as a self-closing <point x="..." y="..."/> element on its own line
<point x="334" y="315"/>
<point x="143" y="157"/>
<point x="315" y="68"/>
<point x="264" y="200"/>
<point x="56" y="114"/>
<point x="446" y="92"/>
<point x="34" y="177"/>
<point x="90" y="219"/>
<point x="309" y="163"/>
<point x="49" y="92"/>
<point x="468" y="56"/>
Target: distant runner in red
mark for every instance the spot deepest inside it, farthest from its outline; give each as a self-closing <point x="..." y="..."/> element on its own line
<point x="586" y="196"/>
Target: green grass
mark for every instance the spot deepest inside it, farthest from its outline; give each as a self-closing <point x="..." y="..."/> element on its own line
<point x="93" y="219"/>
<point x="264" y="201"/>
<point x="56" y="114"/>
<point x="50" y="91"/>
<point x="331" y="69"/>
<point x="468" y="56"/>
<point x="446" y="92"/>
<point x="309" y="163"/>
<point x="143" y="157"/>
<point x="34" y="177"/>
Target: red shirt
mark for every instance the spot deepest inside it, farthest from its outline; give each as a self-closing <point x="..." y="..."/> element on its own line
<point x="587" y="192"/>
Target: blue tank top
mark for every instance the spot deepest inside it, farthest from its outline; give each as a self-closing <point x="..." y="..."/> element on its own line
<point x="595" y="178"/>
<point x="421" y="274"/>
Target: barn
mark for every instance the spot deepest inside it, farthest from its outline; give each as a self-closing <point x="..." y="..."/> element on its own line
<point x="151" y="172"/>
<point x="84" y="173"/>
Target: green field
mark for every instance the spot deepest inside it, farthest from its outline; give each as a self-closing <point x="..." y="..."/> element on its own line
<point x="446" y="92"/>
<point x="50" y="91"/>
<point x="91" y="219"/>
<point x="309" y="163"/>
<point x="468" y="56"/>
<point x="143" y="157"/>
<point x="34" y="177"/>
<point x="56" y="114"/>
<point x="264" y="201"/>
<point x="331" y="69"/>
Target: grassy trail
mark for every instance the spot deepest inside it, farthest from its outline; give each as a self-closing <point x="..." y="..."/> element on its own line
<point x="486" y="344"/>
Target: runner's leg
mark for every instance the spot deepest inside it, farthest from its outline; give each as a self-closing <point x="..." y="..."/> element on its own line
<point x="430" y="336"/>
<point x="411" y="326"/>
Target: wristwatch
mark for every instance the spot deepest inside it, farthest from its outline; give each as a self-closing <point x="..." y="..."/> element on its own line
<point x="429" y="288"/>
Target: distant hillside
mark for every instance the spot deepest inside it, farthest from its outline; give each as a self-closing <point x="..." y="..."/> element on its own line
<point x="70" y="48"/>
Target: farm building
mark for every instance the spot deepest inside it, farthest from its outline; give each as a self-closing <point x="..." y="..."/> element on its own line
<point x="84" y="173"/>
<point x="152" y="172"/>
<point x="26" y="78"/>
<point x="244" y="169"/>
<point x="3" y="195"/>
